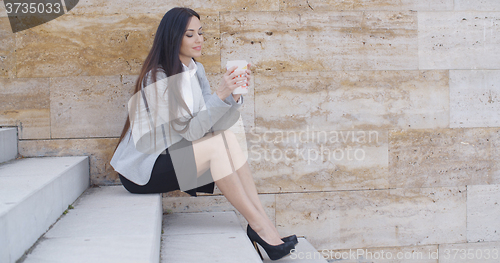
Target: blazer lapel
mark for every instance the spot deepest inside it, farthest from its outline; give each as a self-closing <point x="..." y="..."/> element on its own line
<point x="197" y="92"/>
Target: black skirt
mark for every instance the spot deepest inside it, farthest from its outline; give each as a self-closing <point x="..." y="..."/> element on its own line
<point x="163" y="178"/>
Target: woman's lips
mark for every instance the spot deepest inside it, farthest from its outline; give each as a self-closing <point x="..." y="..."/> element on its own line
<point x="197" y="48"/>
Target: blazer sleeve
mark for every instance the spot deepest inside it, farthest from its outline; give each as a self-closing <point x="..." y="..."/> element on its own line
<point x="232" y="115"/>
<point x="150" y="131"/>
<point x="231" y="101"/>
<point x="207" y="92"/>
<point x="213" y="110"/>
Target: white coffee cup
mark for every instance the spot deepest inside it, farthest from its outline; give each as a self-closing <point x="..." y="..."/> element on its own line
<point x="242" y="67"/>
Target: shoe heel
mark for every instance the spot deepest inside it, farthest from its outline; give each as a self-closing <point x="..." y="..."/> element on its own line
<point x="274" y="252"/>
<point x="257" y="248"/>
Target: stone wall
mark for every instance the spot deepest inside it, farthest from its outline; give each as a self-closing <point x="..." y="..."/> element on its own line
<point x="371" y="124"/>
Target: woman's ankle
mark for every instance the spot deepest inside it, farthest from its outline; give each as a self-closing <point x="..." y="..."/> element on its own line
<point x="267" y="233"/>
<point x="271" y="224"/>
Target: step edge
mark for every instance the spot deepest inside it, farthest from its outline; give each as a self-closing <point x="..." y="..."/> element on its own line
<point x="155" y="253"/>
<point x="2" y="213"/>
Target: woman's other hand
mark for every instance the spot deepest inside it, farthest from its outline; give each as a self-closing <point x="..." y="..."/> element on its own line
<point x="248" y="71"/>
<point x="230" y="81"/>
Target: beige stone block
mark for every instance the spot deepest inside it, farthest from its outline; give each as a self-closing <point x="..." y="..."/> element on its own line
<point x="484" y="252"/>
<point x="161" y="7"/>
<point x="88" y="106"/>
<point x="321" y="41"/>
<point x="443" y="157"/>
<point x="474" y="98"/>
<point x="100" y="152"/>
<point x="495" y="154"/>
<point x="392" y="5"/>
<point x="483" y="211"/>
<point x="420" y="254"/>
<point x="477" y="5"/>
<point x="25" y="103"/>
<point x="345" y="100"/>
<point x="459" y="40"/>
<point x="303" y="161"/>
<point x="31" y="123"/>
<point x="374" y="218"/>
<point x="7" y="49"/>
<point x="211" y="203"/>
<point x="99" y="45"/>
<point x="86" y="45"/>
<point x="247" y="110"/>
<point x="266" y="5"/>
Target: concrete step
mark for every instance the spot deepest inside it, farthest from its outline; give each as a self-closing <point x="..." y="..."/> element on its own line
<point x="34" y="192"/>
<point x="205" y="237"/>
<point x="8" y="144"/>
<point x="108" y="224"/>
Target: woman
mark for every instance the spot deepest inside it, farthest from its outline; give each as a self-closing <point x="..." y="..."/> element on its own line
<point x="176" y="134"/>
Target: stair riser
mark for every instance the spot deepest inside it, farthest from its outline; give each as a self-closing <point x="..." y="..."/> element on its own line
<point x="8" y="144"/>
<point x="155" y="248"/>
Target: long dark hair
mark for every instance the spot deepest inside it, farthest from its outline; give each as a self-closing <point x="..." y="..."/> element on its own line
<point x="164" y="56"/>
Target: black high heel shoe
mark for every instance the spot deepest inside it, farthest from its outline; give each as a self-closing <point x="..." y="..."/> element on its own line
<point x="292" y="238"/>
<point x="274" y="252"/>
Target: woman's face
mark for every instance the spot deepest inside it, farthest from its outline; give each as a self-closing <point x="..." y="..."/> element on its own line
<point x="192" y="41"/>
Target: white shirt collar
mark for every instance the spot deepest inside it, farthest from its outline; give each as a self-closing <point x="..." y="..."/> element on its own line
<point x="192" y="67"/>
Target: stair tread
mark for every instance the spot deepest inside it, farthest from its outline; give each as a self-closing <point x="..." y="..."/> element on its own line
<point x="219" y="237"/>
<point x="107" y="224"/>
<point x="118" y="211"/>
<point x="206" y="237"/>
<point x="38" y="166"/>
<point x="125" y="249"/>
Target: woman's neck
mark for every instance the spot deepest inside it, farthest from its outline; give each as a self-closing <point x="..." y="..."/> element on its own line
<point x="185" y="60"/>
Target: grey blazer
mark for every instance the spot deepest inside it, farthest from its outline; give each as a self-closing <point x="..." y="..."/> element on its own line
<point x="137" y="166"/>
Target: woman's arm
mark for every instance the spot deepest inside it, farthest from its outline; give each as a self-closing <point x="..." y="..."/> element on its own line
<point x="232" y="115"/>
<point x="213" y="110"/>
<point x="150" y="121"/>
<point x="236" y="97"/>
<point x="207" y="92"/>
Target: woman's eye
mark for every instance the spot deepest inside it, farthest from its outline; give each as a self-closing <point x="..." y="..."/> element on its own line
<point x="200" y="33"/>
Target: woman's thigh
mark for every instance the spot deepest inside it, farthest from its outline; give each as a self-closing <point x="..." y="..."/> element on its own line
<point x="211" y="150"/>
<point x="238" y="157"/>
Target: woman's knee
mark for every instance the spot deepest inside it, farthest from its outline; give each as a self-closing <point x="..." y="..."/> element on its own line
<point x="214" y="145"/>
<point x="221" y="142"/>
<point x="231" y="138"/>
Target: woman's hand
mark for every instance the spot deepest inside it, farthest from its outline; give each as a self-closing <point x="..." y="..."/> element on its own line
<point x="230" y="81"/>
<point x="248" y="72"/>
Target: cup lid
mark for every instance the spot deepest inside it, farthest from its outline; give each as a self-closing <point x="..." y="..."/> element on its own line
<point x="240" y="63"/>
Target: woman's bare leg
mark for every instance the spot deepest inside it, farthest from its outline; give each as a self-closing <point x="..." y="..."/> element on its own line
<point x="210" y="152"/>
<point x="233" y="190"/>
<point x="251" y="191"/>
<point x="245" y="175"/>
